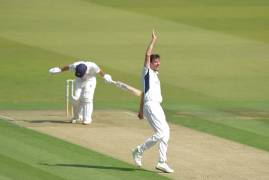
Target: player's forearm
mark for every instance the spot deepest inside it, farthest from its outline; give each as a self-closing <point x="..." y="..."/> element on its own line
<point x="101" y="73"/>
<point x="148" y="53"/>
<point x="141" y="103"/>
<point x="65" y="68"/>
<point x="107" y="77"/>
<point x="140" y="113"/>
<point x="57" y="70"/>
<point x="150" y="47"/>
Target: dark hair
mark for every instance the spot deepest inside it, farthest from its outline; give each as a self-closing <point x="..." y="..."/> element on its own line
<point x="153" y="57"/>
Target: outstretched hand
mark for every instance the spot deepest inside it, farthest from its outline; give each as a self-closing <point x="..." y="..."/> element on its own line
<point x="55" y="70"/>
<point x="108" y="78"/>
<point x="153" y="35"/>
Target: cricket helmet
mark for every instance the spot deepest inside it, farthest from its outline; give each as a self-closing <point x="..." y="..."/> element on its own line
<point x="80" y="70"/>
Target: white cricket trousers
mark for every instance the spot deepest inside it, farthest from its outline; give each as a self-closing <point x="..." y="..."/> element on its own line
<point x="156" y="118"/>
<point x="83" y="98"/>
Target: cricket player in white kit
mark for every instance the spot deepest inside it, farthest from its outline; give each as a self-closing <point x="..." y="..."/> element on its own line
<point x="85" y="84"/>
<point x="150" y="108"/>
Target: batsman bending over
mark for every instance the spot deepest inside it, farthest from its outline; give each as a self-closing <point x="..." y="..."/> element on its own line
<point x="85" y="84"/>
<point x="151" y="108"/>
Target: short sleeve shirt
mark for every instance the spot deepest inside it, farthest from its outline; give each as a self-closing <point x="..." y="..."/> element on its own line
<point x="151" y="85"/>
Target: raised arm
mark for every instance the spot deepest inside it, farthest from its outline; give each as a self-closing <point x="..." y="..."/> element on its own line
<point x="149" y="49"/>
<point x="57" y="70"/>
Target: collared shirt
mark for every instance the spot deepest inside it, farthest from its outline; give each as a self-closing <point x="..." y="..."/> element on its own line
<point x="92" y="69"/>
<point x="151" y="85"/>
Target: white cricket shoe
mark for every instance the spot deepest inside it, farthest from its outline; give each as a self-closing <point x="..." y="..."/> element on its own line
<point x="164" y="168"/>
<point x="86" y="122"/>
<point x="74" y="121"/>
<point x="137" y="156"/>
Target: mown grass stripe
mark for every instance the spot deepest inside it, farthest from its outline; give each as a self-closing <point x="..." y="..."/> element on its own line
<point x="15" y="169"/>
<point x="48" y="157"/>
<point x="225" y="131"/>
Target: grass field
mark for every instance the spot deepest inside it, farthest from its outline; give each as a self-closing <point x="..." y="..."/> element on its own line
<point x="26" y="154"/>
<point x="214" y="70"/>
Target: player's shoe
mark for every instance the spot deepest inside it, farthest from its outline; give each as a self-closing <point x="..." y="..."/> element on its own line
<point x="137" y="156"/>
<point x="86" y="122"/>
<point x="164" y="168"/>
<point x="74" y="121"/>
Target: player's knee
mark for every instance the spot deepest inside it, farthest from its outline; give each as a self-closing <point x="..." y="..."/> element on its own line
<point x="165" y="136"/>
<point x="156" y="137"/>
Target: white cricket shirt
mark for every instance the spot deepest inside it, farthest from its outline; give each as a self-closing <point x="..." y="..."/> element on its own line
<point x="92" y="68"/>
<point x="151" y="85"/>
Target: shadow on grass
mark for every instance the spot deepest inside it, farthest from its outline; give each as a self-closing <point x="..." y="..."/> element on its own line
<point x="95" y="167"/>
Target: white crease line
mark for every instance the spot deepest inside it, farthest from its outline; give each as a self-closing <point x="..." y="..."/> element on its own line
<point x="130" y="113"/>
<point x="6" y="117"/>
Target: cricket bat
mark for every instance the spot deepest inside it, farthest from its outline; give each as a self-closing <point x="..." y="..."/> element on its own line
<point x="128" y="88"/>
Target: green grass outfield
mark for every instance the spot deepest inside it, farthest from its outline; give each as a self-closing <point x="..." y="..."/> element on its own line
<point x="214" y="57"/>
<point x="26" y="154"/>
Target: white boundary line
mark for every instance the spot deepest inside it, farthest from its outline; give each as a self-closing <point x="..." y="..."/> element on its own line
<point x="6" y="117"/>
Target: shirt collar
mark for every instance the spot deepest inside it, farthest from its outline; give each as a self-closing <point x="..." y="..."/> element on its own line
<point x="156" y="72"/>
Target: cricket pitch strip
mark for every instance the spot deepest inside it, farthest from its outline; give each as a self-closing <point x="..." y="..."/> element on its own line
<point x="192" y="154"/>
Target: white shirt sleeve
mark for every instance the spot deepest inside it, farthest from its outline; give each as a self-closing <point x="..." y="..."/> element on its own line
<point x="145" y="71"/>
<point x="92" y="67"/>
<point x="144" y="77"/>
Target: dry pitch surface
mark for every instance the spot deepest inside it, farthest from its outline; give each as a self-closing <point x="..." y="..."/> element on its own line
<point x="193" y="155"/>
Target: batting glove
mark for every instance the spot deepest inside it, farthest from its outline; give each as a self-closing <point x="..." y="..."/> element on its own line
<point x="55" y="70"/>
<point x="108" y="78"/>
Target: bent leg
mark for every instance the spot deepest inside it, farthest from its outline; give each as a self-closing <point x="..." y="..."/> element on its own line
<point x="87" y="112"/>
<point x="149" y="143"/>
<point x="77" y="106"/>
<point x="87" y="100"/>
<point x="163" y="146"/>
<point x="156" y="118"/>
